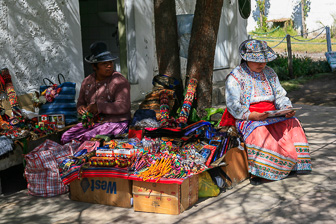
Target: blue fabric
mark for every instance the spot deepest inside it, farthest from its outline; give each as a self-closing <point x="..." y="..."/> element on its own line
<point x="141" y="114"/>
<point x="64" y="103"/>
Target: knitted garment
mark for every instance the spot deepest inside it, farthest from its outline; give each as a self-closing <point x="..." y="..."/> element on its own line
<point x="6" y="86"/>
<point x="188" y="100"/>
<point x="164" y="108"/>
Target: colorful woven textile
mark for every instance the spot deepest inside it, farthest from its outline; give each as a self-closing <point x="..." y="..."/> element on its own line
<point x="247" y="127"/>
<point x="164" y="108"/>
<point x="188" y="100"/>
<point x="275" y="150"/>
<point x="6" y="86"/>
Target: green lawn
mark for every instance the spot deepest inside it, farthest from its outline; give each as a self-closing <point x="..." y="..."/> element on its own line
<point x="317" y="45"/>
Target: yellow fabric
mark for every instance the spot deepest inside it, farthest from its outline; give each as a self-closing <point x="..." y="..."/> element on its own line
<point x="206" y="186"/>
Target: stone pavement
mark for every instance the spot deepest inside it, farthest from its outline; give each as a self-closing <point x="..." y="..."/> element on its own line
<point x="296" y="199"/>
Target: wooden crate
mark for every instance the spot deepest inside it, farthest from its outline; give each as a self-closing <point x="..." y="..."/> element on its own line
<point x="102" y="190"/>
<point x="237" y="166"/>
<point x="165" y="198"/>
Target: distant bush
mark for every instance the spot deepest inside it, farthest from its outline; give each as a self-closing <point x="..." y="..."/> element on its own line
<point x="302" y="67"/>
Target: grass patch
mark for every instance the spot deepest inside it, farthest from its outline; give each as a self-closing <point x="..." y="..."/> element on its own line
<point x="317" y="45"/>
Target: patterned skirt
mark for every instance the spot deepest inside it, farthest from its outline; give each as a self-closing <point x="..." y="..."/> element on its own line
<point x="276" y="149"/>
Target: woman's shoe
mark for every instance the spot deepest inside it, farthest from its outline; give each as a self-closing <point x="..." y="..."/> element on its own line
<point x="256" y="181"/>
<point x="303" y="172"/>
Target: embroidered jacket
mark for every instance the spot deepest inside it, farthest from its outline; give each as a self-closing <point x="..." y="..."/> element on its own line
<point x="244" y="87"/>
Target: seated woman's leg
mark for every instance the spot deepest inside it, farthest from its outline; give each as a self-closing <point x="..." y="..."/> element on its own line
<point x="270" y="156"/>
<point x="74" y="133"/>
<point x="277" y="149"/>
<point x="301" y="145"/>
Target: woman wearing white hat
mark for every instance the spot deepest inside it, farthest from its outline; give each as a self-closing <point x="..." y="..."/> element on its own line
<point x="275" y="145"/>
<point x="105" y="94"/>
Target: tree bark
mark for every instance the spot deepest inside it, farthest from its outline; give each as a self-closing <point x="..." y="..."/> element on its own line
<point x="303" y="18"/>
<point x="202" y="48"/>
<point x="166" y="40"/>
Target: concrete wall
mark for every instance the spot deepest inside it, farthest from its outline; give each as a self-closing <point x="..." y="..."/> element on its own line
<point x="39" y="39"/>
<point x="321" y="11"/>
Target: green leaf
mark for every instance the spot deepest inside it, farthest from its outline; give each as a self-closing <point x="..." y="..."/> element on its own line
<point x="212" y="111"/>
<point x="193" y="117"/>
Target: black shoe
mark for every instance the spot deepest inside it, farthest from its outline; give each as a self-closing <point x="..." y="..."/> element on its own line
<point x="303" y="172"/>
<point x="292" y="174"/>
<point x="256" y="181"/>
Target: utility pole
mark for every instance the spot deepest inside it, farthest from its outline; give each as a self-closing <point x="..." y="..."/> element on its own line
<point x="290" y="57"/>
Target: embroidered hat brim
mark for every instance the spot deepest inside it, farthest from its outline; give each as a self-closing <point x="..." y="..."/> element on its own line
<point x="261" y="55"/>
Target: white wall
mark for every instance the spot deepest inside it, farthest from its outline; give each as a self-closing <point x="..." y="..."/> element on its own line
<point x="39" y="39"/>
<point x="144" y="42"/>
<point x="231" y="32"/>
<point x="320" y="11"/>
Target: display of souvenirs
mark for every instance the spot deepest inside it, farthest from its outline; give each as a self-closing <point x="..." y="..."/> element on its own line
<point x="58" y="120"/>
<point x="162" y="157"/>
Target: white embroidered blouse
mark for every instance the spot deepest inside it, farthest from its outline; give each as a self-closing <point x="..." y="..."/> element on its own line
<point x="244" y="87"/>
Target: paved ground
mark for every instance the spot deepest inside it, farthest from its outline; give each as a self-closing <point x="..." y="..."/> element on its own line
<point x="297" y="199"/>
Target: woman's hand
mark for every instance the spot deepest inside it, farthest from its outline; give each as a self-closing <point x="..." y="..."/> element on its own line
<point x="93" y="108"/>
<point x="290" y="114"/>
<point x="81" y="110"/>
<point x="256" y="116"/>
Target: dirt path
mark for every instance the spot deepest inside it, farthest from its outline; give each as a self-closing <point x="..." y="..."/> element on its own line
<point x="321" y="91"/>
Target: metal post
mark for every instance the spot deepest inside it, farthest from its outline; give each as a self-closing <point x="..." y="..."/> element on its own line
<point x="290" y="58"/>
<point x="328" y="39"/>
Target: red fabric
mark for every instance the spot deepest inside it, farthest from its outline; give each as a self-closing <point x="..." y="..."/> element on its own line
<point x="133" y="133"/>
<point x="73" y="174"/>
<point x="229" y="120"/>
<point x="262" y="106"/>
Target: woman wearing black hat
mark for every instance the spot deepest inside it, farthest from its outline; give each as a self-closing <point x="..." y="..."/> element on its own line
<point x="105" y="94"/>
<point x="275" y="145"/>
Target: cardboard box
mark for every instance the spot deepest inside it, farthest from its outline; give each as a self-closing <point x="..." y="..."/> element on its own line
<point x="165" y="198"/>
<point x="102" y="190"/>
<point x="237" y="166"/>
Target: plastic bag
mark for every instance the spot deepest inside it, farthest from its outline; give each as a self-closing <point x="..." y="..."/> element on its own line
<point x="206" y="186"/>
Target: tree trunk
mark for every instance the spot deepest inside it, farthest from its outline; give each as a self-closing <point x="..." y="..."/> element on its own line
<point x="166" y="39"/>
<point x="303" y="18"/>
<point x="202" y="49"/>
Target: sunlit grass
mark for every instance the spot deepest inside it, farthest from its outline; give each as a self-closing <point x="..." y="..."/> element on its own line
<point x="317" y="45"/>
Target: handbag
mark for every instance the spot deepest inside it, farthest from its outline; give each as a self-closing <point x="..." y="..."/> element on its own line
<point x="63" y="103"/>
<point x="42" y="168"/>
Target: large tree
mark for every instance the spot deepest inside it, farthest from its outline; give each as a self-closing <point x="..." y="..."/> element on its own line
<point x="202" y="49"/>
<point x="166" y="39"/>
